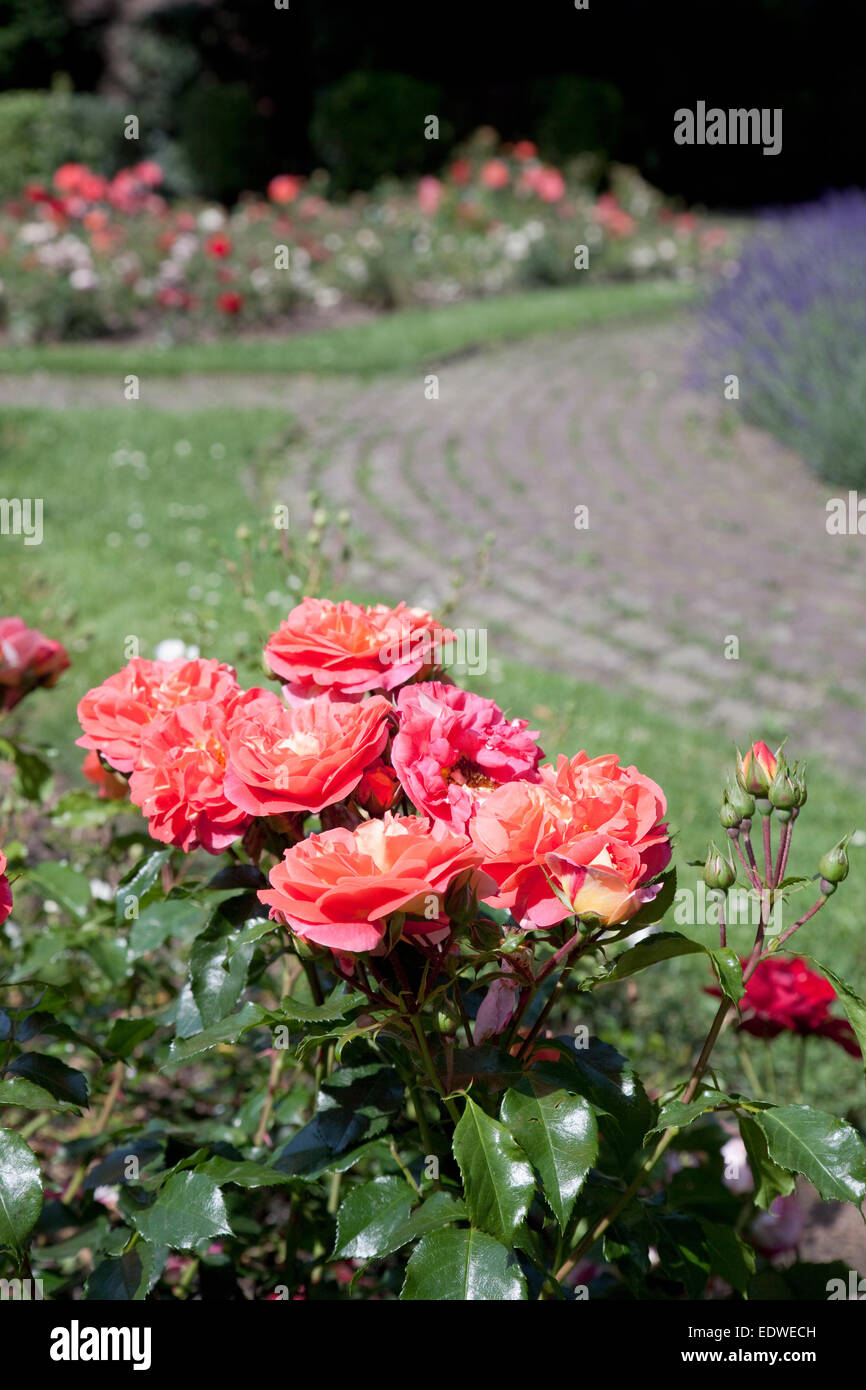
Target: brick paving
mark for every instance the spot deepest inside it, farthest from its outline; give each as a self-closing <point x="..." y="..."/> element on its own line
<point x="701" y="529"/>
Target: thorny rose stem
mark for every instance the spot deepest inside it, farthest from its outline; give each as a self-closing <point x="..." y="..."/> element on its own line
<point x="721" y="1019"/>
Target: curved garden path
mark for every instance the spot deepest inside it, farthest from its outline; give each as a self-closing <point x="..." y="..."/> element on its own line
<point x="700" y="529"/>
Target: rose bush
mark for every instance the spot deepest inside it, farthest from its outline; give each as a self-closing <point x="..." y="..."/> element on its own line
<point x="90" y="256"/>
<point x="337" y="1035"/>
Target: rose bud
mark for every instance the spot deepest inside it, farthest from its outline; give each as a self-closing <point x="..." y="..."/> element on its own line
<point x="756" y="770"/>
<point x="833" y="867"/>
<point x="742" y="802"/>
<point x="719" y="872"/>
<point x="729" y="816"/>
<point x="782" y="792"/>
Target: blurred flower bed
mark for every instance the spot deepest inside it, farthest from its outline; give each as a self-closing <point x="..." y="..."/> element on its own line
<point x="93" y="257"/>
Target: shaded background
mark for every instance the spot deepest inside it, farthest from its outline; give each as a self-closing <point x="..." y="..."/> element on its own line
<point x="226" y="103"/>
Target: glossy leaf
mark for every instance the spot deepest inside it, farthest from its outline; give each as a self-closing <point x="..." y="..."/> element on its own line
<point x="20" y="1190"/>
<point x="609" y="1082"/>
<point x="127" y="1033"/>
<point x="243" y="1173"/>
<point x="63" y="1082"/>
<point x="498" y="1181"/>
<point x="228" y="1030"/>
<point x="826" y="1150"/>
<point x="851" y="1001"/>
<point x="771" y="1180"/>
<point x="461" y="1266"/>
<point x="140" y="882"/>
<point x="65" y="886"/>
<point x="559" y="1134"/>
<point x="368" y="1218"/>
<point x="15" y="1090"/>
<point x="217" y="979"/>
<point x="189" y="1208"/>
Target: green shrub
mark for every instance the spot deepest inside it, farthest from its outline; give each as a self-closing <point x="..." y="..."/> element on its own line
<point x="578" y="115"/>
<point x="222" y="140"/>
<point x="371" y="124"/>
<point x="41" y="130"/>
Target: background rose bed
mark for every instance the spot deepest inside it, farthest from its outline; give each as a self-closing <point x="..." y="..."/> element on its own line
<point x="416" y="1098"/>
<point x="87" y="255"/>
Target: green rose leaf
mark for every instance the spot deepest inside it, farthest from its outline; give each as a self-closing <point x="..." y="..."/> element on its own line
<point x="368" y="1218"/>
<point x="127" y="1033"/>
<point x="771" y="1180"/>
<point x="63" y="1082"/>
<point x="243" y="1173"/>
<point x="117" y="1280"/>
<point x="16" y="1091"/>
<point x="497" y="1178"/>
<point x="826" y="1150"/>
<point x="610" y="1084"/>
<point x="852" y="1003"/>
<point x="228" y="1030"/>
<point x="559" y="1134"/>
<point x="217" y="979"/>
<point x="142" y="879"/>
<point x="729" y="1257"/>
<point x="189" y="1208"/>
<point x="462" y="1265"/>
<point x="65" y="886"/>
<point x="20" y="1190"/>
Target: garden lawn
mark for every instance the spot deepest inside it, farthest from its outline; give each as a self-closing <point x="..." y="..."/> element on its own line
<point x="141" y="512"/>
<point x="391" y="342"/>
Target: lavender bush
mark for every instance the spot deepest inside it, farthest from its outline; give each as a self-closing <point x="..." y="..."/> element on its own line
<point x="791" y="323"/>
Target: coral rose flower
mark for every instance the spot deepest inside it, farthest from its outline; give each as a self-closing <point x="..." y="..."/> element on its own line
<point x="454" y="748"/>
<point x="494" y="174"/>
<point x="305" y="758"/>
<point x="111" y="787"/>
<point x="339" y="888"/>
<point x="5" y="891"/>
<point x="114" y="714"/>
<point x="27" y="659"/>
<point x="284" y="188"/>
<point x="586" y="838"/>
<point x="179" y="777"/>
<point x="343" y="650"/>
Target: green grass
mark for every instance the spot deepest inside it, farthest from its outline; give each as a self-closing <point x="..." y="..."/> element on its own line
<point x="229" y="469"/>
<point x="393" y="342"/>
<point x="140" y="514"/>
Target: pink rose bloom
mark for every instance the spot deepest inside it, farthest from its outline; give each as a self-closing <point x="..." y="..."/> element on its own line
<point x="548" y="183"/>
<point x="454" y="748"/>
<point x="5" y="891"/>
<point x="113" y="715"/>
<point x="27" y="659"/>
<point x="780" y="1228"/>
<point x="429" y="195"/>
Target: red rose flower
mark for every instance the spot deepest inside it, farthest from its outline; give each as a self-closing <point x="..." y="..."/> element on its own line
<point x="27" y="659"/>
<point x="786" y="996"/>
